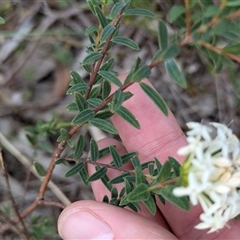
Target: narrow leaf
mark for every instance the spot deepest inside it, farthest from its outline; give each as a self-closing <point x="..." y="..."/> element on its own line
<point x="76" y="77"/>
<point x="83" y="174"/>
<point x="94" y="150"/>
<point x="119" y="179"/>
<point x="175" y="165"/>
<point x="128" y="116"/>
<point x="74" y="170"/>
<point x="139" y="193"/>
<point x="80" y="102"/>
<point x="40" y="169"/>
<point x="94" y="101"/>
<point x="2" y="21"/>
<point x="102" y="19"/>
<point x="126" y="42"/>
<point x="142" y="72"/>
<point x="72" y="107"/>
<point x="140" y="178"/>
<point x="139" y="12"/>
<point x="98" y="174"/>
<point x="106" y="89"/>
<point x="174" y="73"/>
<point x="162" y="35"/>
<point x="90" y="30"/>
<point x="103" y="124"/>
<point x="78" y="151"/>
<point x="155" y="97"/>
<point x="163" y="174"/>
<point x="83" y="116"/>
<point x="79" y="87"/>
<point x="107" y="31"/>
<point x="117" y="101"/>
<point x="109" y="76"/>
<point x="128" y="157"/>
<point x="92" y="57"/>
<point x="175" y="12"/>
<point x="166" y="192"/>
<point x="116" y="157"/>
<point x="151" y="205"/>
<point x="115" y="10"/>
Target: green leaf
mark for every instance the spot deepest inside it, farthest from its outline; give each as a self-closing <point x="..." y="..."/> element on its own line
<point x="139" y="193"/>
<point x="151" y="205"/>
<point x="40" y="169"/>
<point x="90" y="30"/>
<point x="117" y="101"/>
<point x="175" y="12"/>
<point x="233" y="48"/>
<point x="75" y="169"/>
<point x="139" y="12"/>
<point x="94" y="101"/>
<point x="126" y="42"/>
<point x="211" y="11"/>
<point x="104" y="114"/>
<point x="63" y="136"/>
<point x="79" y="87"/>
<point x="106" y="89"/>
<point x="2" y="21"/>
<point x="164" y="173"/>
<point x="115" y="10"/>
<point x="92" y="57"/>
<point x="102" y="19"/>
<point x="128" y="116"/>
<point x="155" y="97"/>
<point x="45" y="146"/>
<point x="174" y="73"/>
<point x="166" y="192"/>
<point x="170" y="52"/>
<point x="72" y="107"/>
<point x="109" y="76"/>
<point x="142" y="72"/>
<point x="136" y="162"/>
<point x="116" y="157"/>
<point x="76" y="77"/>
<point x="103" y="124"/>
<point x="80" y="102"/>
<point x="140" y="177"/>
<point x="78" y="151"/>
<point x="175" y="166"/>
<point x="128" y="157"/>
<point x="94" y="150"/>
<point x="83" y="116"/>
<point x="162" y="35"/>
<point x="233" y="3"/>
<point x="83" y="174"/>
<point x="119" y="179"/>
<point x="103" y="152"/>
<point x="98" y="174"/>
<point x="107" y="31"/>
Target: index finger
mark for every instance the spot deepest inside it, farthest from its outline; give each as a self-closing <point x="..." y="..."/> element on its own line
<point x="159" y="136"/>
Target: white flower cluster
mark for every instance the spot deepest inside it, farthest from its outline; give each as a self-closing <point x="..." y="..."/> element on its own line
<point x="211" y="173"/>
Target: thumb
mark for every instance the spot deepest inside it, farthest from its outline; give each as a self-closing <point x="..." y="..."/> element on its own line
<point x="95" y="220"/>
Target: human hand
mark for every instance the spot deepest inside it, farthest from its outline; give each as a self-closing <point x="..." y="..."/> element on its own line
<point x="160" y="137"/>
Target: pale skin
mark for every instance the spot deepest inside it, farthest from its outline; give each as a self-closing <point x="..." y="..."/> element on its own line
<point x="160" y="137"/>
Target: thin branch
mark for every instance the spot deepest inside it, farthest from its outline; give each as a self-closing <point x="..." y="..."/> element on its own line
<point x="188" y="18"/>
<point x="98" y="64"/>
<point x="5" y="174"/>
<point x="163" y="184"/>
<point x="219" y="51"/>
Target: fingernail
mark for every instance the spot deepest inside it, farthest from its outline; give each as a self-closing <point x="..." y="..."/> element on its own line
<point x="84" y="225"/>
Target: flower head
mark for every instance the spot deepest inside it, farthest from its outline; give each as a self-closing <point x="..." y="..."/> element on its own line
<point x="211" y="173"/>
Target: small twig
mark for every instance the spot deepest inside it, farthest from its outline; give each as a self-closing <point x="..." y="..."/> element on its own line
<point x="98" y="64"/>
<point x="219" y="51"/>
<point x="54" y="204"/>
<point x="163" y="184"/>
<point x="5" y="174"/>
<point x="188" y="18"/>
